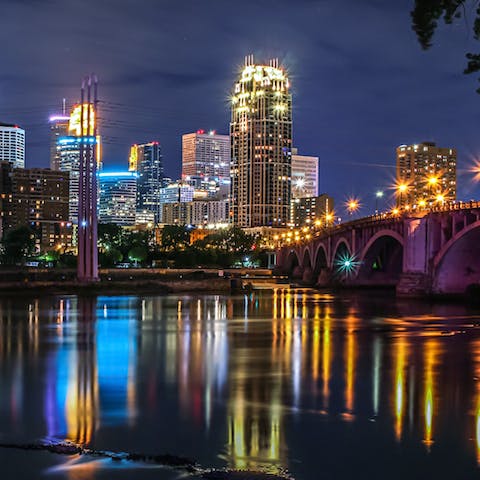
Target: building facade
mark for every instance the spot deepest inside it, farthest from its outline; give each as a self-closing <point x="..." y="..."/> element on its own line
<point x="118" y="197"/>
<point x="12" y="145"/>
<point x="58" y="128"/>
<point x="261" y="142"/>
<point x="311" y="210"/>
<point x="197" y="213"/>
<point x="146" y="160"/>
<point x="426" y="173"/>
<point x="38" y="198"/>
<point x="206" y="160"/>
<point x="304" y="175"/>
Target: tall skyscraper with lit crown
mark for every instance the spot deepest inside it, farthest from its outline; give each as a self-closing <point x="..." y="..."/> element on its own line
<point x="261" y="142"/>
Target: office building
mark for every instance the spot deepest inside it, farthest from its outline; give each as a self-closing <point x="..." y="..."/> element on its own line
<point x="58" y="128"/>
<point x="312" y="210"/>
<point x="196" y="213"/>
<point x="146" y="160"/>
<point x="426" y="174"/>
<point x="38" y="198"/>
<point x="6" y="199"/>
<point x="261" y="142"/>
<point x="12" y="145"/>
<point x="68" y="151"/>
<point x="304" y="175"/>
<point x="206" y="159"/>
<point x="118" y="197"/>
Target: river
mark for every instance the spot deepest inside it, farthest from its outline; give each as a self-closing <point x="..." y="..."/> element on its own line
<point x="291" y="382"/>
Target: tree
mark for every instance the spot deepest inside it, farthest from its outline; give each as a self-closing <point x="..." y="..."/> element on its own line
<point x="17" y="245"/>
<point x="110" y="235"/>
<point x="427" y="13"/>
<point x="175" y="236"/>
<point x="138" y="253"/>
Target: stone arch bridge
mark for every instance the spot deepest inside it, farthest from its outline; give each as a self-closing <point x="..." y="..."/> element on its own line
<point x="423" y="252"/>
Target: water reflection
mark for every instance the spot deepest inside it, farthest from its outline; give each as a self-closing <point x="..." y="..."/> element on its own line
<point x="236" y="377"/>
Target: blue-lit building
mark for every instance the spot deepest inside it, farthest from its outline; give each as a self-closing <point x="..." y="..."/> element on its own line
<point x="146" y="160"/>
<point x="69" y="155"/>
<point x="118" y="197"/>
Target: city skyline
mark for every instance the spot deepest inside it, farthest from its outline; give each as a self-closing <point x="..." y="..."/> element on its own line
<point x="349" y="120"/>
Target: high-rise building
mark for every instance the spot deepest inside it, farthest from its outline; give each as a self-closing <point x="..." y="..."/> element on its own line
<point x="68" y="151"/>
<point x="146" y="160"/>
<point x="58" y="128"/>
<point x="118" y="197"/>
<point x="6" y="199"/>
<point x="311" y="210"/>
<point x="426" y="173"/>
<point x="304" y="175"/>
<point x="37" y="197"/>
<point x="12" y="145"/>
<point x="198" y="213"/>
<point x="206" y="159"/>
<point x="261" y="142"/>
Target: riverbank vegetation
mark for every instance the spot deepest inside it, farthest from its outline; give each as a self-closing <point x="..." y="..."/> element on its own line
<point x="173" y="246"/>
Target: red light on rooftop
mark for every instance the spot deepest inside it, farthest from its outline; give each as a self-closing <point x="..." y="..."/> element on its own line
<point x="200" y="132"/>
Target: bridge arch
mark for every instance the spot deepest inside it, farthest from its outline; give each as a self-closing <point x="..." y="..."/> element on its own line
<point x="341" y="253"/>
<point x="307" y="260"/>
<point x="381" y="260"/>
<point x="292" y="263"/>
<point x="457" y="264"/>
<point x="342" y="247"/>
<point x="321" y="259"/>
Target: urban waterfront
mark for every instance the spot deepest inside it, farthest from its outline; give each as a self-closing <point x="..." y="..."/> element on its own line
<point x="296" y="381"/>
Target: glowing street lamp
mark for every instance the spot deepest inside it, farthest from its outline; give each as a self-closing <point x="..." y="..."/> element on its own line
<point x="432" y="182"/>
<point x="401" y="189"/>
<point x="440" y="198"/>
<point x="352" y="205"/>
<point x="378" y="196"/>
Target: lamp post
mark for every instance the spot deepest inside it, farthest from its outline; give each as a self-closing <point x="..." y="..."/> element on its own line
<point x="352" y="206"/>
<point x="378" y="196"/>
<point x="432" y="181"/>
<point x="402" y="188"/>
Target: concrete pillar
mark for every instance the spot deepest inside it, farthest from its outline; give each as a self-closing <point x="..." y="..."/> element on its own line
<point x="414" y="278"/>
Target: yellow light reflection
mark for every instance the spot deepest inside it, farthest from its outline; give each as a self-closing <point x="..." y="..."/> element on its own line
<point x="350" y="354"/>
<point x="431" y="351"/>
<point x="326" y="358"/>
<point x="400" y="361"/>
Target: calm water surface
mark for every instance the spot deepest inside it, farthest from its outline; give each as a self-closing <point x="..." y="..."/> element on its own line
<point x="323" y="386"/>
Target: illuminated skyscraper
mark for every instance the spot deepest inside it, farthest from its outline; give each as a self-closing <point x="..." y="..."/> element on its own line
<point x="58" y="128"/>
<point x="304" y="175"/>
<point x="68" y="151"/>
<point x="146" y="160"/>
<point x="118" y="197"/>
<point x="261" y="141"/>
<point x="12" y="145"/>
<point x="206" y="158"/>
<point x="426" y="173"/>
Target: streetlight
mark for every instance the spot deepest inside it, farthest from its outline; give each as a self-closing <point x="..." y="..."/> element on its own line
<point x="352" y="205"/>
<point x="402" y="188"/>
<point x="432" y="181"/>
<point x="378" y="196"/>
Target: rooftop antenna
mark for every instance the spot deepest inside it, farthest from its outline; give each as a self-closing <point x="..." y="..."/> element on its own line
<point x="63" y="107"/>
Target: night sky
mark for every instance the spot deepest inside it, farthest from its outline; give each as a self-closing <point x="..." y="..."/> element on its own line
<point x="361" y="83"/>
